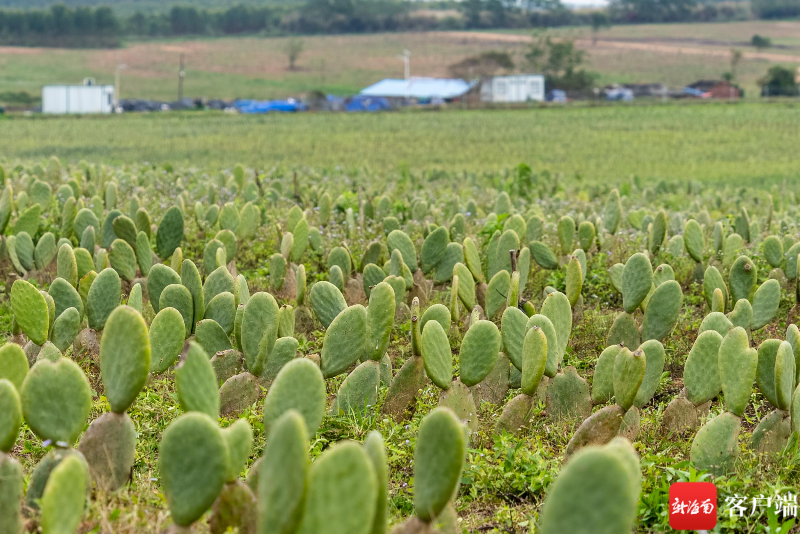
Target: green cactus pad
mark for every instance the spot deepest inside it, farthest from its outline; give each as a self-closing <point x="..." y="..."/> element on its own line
<point x="534" y="359"/>
<point x="438" y="461"/>
<point x="771" y="434"/>
<point x="341" y="495"/>
<point x="28" y="221"/>
<point x="340" y="257"/>
<point x="178" y="297"/>
<point x="359" y="391"/>
<point x="219" y="281"/>
<point x="239" y="440"/>
<point x="433" y="248"/>
<point x="193" y="461"/>
<point x="637" y="278"/>
<point x="568" y="396"/>
<point x="742" y="278"/>
<point x="159" y="277"/>
<point x="701" y="371"/>
<point x="513" y="329"/>
<point x="283" y="352"/>
<point x="793" y="337"/>
<point x="466" y="285"/>
<point x="624" y="331"/>
<point x="24" y="248"/>
<point x="663" y="273"/>
<point x="586" y="234"/>
<point x="13" y="364"/>
<point x="123" y="259"/>
<point x="717" y="322"/>
<point x="556" y="307"/>
<point x="742" y="314"/>
<point x="376" y="451"/>
<point x="67" y="265"/>
<point x="242" y="293"/>
<point x="166" y="339"/>
<point x="399" y="240"/>
<point x="497" y="293"/>
<point x="438" y="313"/>
<point x="598" y="429"/>
<point x="327" y="302"/>
<point x="663" y="308"/>
<point x="694" y="240"/>
<point x="765" y="375"/>
<point x="238" y="393"/>
<point x="657" y="233"/>
<point x="196" y="383"/>
<point x="124" y="357"/>
<point x="516" y="414"/>
<point x="656" y="357"/>
<point x="280" y="506"/>
<point x="773" y="251"/>
<point x="170" y="232"/>
<point x="629" y="369"/>
<point x="10" y="417"/>
<point x="737" y="370"/>
<point x="144" y="254"/>
<point x="135" y="298"/>
<point x="715" y="446"/>
<point x="109" y="446"/>
<point x="551" y="367"/>
<point x="347" y="331"/>
<point x="436" y="354"/>
<point x="210" y="335"/>
<point x="190" y="278"/>
<point x="543" y="256"/>
<point x="64" y="296"/>
<point x="574" y="280"/>
<point x="479" y="350"/>
<point x="454" y="254"/>
<point x="66" y="328"/>
<point x="766" y="300"/>
<point x="335" y="276"/>
<point x="404" y="388"/>
<point x="30" y="311"/>
<point x="785" y="374"/>
<point x="603" y="379"/>
<point x="472" y="259"/>
<point x="299" y="386"/>
<point x="64" y="497"/>
<point x="56" y="400"/>
<point x="222" y="310"/>
<point x="566" y="233"/>
<point x="380" y="320"/>
<point x="11" y="491"/>
<point x="45" y="251"/>
<point x="597" y="492"/>
<point x="125" y="228"/>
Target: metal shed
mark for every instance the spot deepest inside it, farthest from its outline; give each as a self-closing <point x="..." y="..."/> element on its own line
<point x="514" y="88"/>
<point x="77" y="99"/>
<point x="421" y="89"/>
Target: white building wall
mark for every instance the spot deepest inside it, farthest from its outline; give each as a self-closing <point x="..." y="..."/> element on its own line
<point x="77" y="99"/>
<point x="517" y="88"/>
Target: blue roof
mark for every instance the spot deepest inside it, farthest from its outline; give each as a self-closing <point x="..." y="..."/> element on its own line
<point x="418" y="88"/>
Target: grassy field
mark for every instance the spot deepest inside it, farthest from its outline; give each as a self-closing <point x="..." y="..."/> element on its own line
<point x="743" y="143"/>
<point x="675" y="54"/>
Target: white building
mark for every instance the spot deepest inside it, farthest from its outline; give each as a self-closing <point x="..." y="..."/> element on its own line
<point x="78" y="99"/>
<point x="514" y="88"/>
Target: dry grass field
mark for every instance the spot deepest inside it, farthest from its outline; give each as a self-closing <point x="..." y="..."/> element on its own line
<point x="676" y="54"/>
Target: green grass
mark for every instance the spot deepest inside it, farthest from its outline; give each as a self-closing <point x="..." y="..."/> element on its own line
<point x="742" y="143"/>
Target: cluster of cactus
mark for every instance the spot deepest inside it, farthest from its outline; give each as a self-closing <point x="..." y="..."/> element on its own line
<point x="657" y="294"/>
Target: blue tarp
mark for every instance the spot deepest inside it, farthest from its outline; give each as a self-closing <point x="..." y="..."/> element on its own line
<point x="268" y="106"/>
<point x="367" y="103"/>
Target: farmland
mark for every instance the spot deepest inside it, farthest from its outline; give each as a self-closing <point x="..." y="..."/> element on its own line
<point x="748" y="144"/>
<point x="251" y="67"/>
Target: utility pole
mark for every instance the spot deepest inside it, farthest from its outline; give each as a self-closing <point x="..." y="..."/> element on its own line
<point x="406" y="57"/>
<point x="181" y="76"/>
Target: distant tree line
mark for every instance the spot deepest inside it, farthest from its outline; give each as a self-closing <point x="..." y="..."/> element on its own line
<point x="100" y="27"/>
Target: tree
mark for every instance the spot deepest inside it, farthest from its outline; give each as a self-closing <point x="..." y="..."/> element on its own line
<point x="294" y="47"/>
<point x="779" y="81"/>
<point x="560" y="62"/>
<point x="736" y="58"/>
<point x="761" y="42"/>
<point x="600" y="20"/>
<point x="483" y="65"/>
<point x="472" y="13"/>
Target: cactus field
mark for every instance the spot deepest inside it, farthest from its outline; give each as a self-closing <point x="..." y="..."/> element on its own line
<point x="211" y="350"/>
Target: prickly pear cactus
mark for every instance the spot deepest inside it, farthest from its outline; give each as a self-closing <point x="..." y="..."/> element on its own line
<point x="64" y="496"/>
<point x="166" y="339"/>
<point x="299" y="386"/>
<point x="347" y="330"/>
<point x="196" y="383"/>
<point x="479" y="350"/>
<point x="56" y="400"/>
<point x="193" y="463"/>
<point x="596" y="491"/>
<point x="124" y="357"/>
<point x="438" y="461"/>
<point x="170" y="232"/>
<point x="327" y="302"/>
<point x="30" y="311"/>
